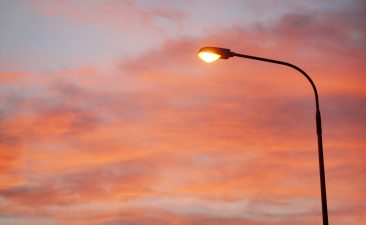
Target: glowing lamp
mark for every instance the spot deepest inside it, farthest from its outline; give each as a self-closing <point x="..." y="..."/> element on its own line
<point x="208" y="56"/>
<point x="211" y="54"/>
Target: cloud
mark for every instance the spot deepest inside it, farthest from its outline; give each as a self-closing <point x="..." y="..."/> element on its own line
<point x="166" y="139"/>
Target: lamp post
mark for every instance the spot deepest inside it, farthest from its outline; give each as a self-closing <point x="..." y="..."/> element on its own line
<point x="210" y="54"/>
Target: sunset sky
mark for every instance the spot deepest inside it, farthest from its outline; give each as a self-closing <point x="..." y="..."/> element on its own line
<point x="108" y="117"/>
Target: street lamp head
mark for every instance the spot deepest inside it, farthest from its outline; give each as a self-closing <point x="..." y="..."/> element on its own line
<point x="211" y="54"/>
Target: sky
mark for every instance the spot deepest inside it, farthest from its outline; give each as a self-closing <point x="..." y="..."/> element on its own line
<point x="107" y="115"/>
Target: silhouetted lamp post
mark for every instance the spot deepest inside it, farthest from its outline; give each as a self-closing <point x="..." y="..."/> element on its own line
<point x="211" y="54"/>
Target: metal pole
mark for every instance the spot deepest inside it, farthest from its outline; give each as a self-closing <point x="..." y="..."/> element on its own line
<point x="318" y="130"/>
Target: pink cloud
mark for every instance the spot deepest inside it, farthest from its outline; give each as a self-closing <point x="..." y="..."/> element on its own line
<point x="166" y="139"/>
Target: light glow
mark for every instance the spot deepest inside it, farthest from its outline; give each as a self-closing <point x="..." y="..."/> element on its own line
<point x="209" y="57"/>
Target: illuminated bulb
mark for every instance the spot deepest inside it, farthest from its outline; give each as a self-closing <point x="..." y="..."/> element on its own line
<point x="208" y="56"/>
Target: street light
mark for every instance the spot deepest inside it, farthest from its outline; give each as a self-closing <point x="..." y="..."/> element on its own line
<point x="211" y="54"/>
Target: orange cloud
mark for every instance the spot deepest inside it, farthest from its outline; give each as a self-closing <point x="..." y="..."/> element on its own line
<point x="167" y="139"/>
